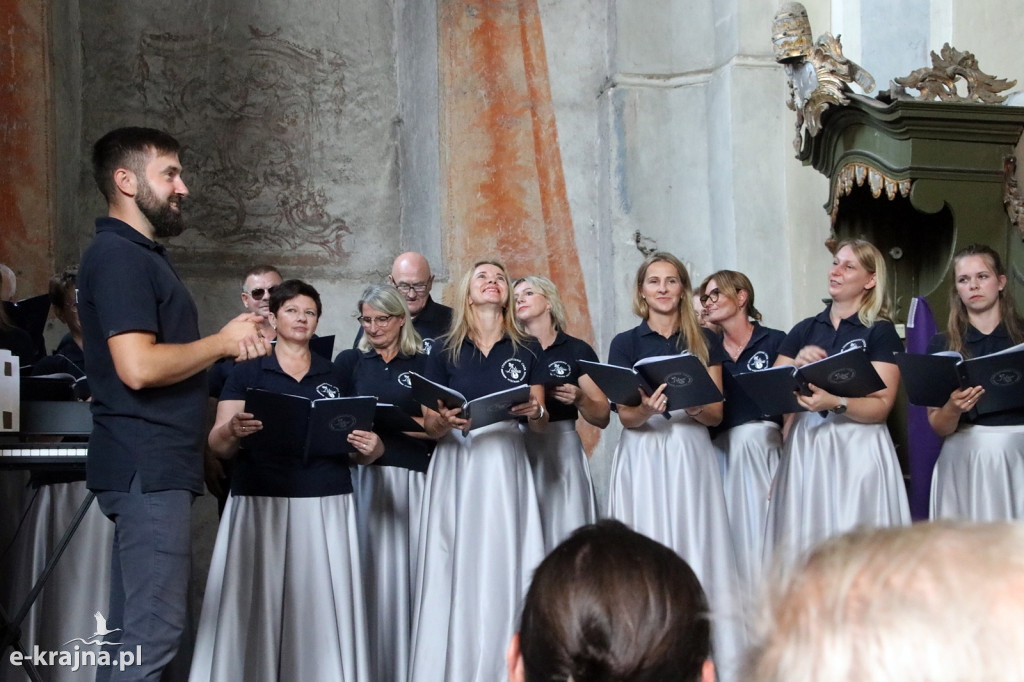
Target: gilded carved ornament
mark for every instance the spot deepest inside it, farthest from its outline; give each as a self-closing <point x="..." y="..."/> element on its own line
<point x="857" y="174"/>
<point x="940" y="81"/>
<point x="818" y="72"/>
<point x="1013" y="198"/>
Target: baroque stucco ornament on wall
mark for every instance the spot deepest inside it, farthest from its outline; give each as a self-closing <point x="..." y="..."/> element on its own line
<point x="818" y="72"/>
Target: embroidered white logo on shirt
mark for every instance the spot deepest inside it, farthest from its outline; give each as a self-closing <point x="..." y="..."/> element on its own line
<point x="513" y="370"/>
<point x="855" y="343"/>
<point x="758" y="361"/>
<point x="328" y="391"/>
<point x="560" y="368"/>
<point x="404" y="380"/>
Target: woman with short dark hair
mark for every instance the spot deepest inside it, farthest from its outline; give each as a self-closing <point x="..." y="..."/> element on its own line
<point x="284" y="600"/>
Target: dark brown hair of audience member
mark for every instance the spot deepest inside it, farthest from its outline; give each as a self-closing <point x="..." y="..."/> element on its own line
<point x="958" y="321"/>
<point x="289" y="289"/>
<point x="609" y="604"/>
<point x="61" y="285"/>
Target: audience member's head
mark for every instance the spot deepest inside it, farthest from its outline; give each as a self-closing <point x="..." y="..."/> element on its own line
<point x="936" y="602"/>
<point x="63" y="299"/>
<point x="609" y="604"/>
<point x="8" y="283"/>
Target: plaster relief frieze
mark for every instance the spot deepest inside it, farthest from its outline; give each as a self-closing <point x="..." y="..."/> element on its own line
<point x="265" y="174"/>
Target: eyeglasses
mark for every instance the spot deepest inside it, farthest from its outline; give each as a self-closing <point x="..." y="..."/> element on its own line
<point x="713" y="297"/>
<point x="259" y="292"/>
<point x="381" y="320"/>
<point x="418" y="287"/>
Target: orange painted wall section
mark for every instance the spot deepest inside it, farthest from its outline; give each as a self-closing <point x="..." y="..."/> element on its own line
<point x="25" y="213"/>
<point x="504" y="191"/>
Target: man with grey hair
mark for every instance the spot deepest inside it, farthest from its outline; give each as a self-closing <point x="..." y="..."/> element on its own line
<point x="935" y="602"/>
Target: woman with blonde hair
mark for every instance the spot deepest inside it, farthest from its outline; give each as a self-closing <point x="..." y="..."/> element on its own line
<point x="748" y="446"/>
<point x="839" y="468"/>
<point x="560" y="469"/>
<point x="481" y="534"/>
<point x="665" y="481"/>
<point x="980" y="471"/>
<point x="389" y="492"/>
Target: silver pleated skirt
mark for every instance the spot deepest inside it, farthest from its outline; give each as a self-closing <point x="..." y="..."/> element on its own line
<point x="980" y="475"/>
<point x="388" y="501"/>
<point x="561" y="475"/>
<point x="78" y="587"/>
<point x="665" y="483"/>
<point x="748" y="455"/>
<point x="284" y="600"/>
<point x="480" y="541"/>
<point x="835" y="474"/>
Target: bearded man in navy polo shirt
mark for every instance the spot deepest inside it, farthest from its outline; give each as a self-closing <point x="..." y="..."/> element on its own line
<point x="147" y="371"/>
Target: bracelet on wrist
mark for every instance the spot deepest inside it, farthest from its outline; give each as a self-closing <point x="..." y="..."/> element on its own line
<point x="539" y="416"/>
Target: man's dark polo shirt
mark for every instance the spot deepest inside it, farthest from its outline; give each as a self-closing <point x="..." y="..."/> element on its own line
<point x="127" y="284"/>
<point x="431" y="324"/>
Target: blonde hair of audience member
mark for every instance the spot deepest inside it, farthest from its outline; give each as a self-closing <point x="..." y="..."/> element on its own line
<point x="933" y="602"/>
<point x="612" y="605"/>
<point x="690" y="335"/>
<point x="462" y="312"/>
<point x="875" y="302"/>
<point x="546" y="288"/>
<point x="958" y="316"/>
<point x="390" y="301"/>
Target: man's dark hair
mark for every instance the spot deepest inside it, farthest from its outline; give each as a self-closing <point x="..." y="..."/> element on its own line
<point x="261" y="269"/>
<point x="127" y="148"/>
<point x="609" y="605"/>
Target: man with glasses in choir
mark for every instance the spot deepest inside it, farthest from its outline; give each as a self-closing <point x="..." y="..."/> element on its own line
<point x="411" y="275"/>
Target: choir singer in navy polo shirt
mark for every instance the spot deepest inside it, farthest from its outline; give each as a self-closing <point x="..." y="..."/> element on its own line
<point x="147" y="373"/>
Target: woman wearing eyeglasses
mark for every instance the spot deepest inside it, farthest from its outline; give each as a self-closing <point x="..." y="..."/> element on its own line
<point x="839" y="468"/>
<point x="389" y="492"/>
<point x="481" y="533"/>
<point x="560" y="469"/>
<point x="665" y="480"/>
<point x="284" y="597"/>
<point x="748" y="447"/>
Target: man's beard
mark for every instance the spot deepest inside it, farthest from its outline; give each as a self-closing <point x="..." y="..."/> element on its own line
<point x="166" y="221"/>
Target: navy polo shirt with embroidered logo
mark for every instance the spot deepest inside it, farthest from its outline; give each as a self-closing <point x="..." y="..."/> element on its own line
<point x="476" y="375"/>
<point x="366" y="373"/>
<point x="284" y="474"/>
<point x="562" y="359"/>
<point x="880" y="340"/>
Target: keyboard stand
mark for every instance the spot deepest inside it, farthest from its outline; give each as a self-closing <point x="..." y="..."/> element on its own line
<point x="10" y="630"/>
